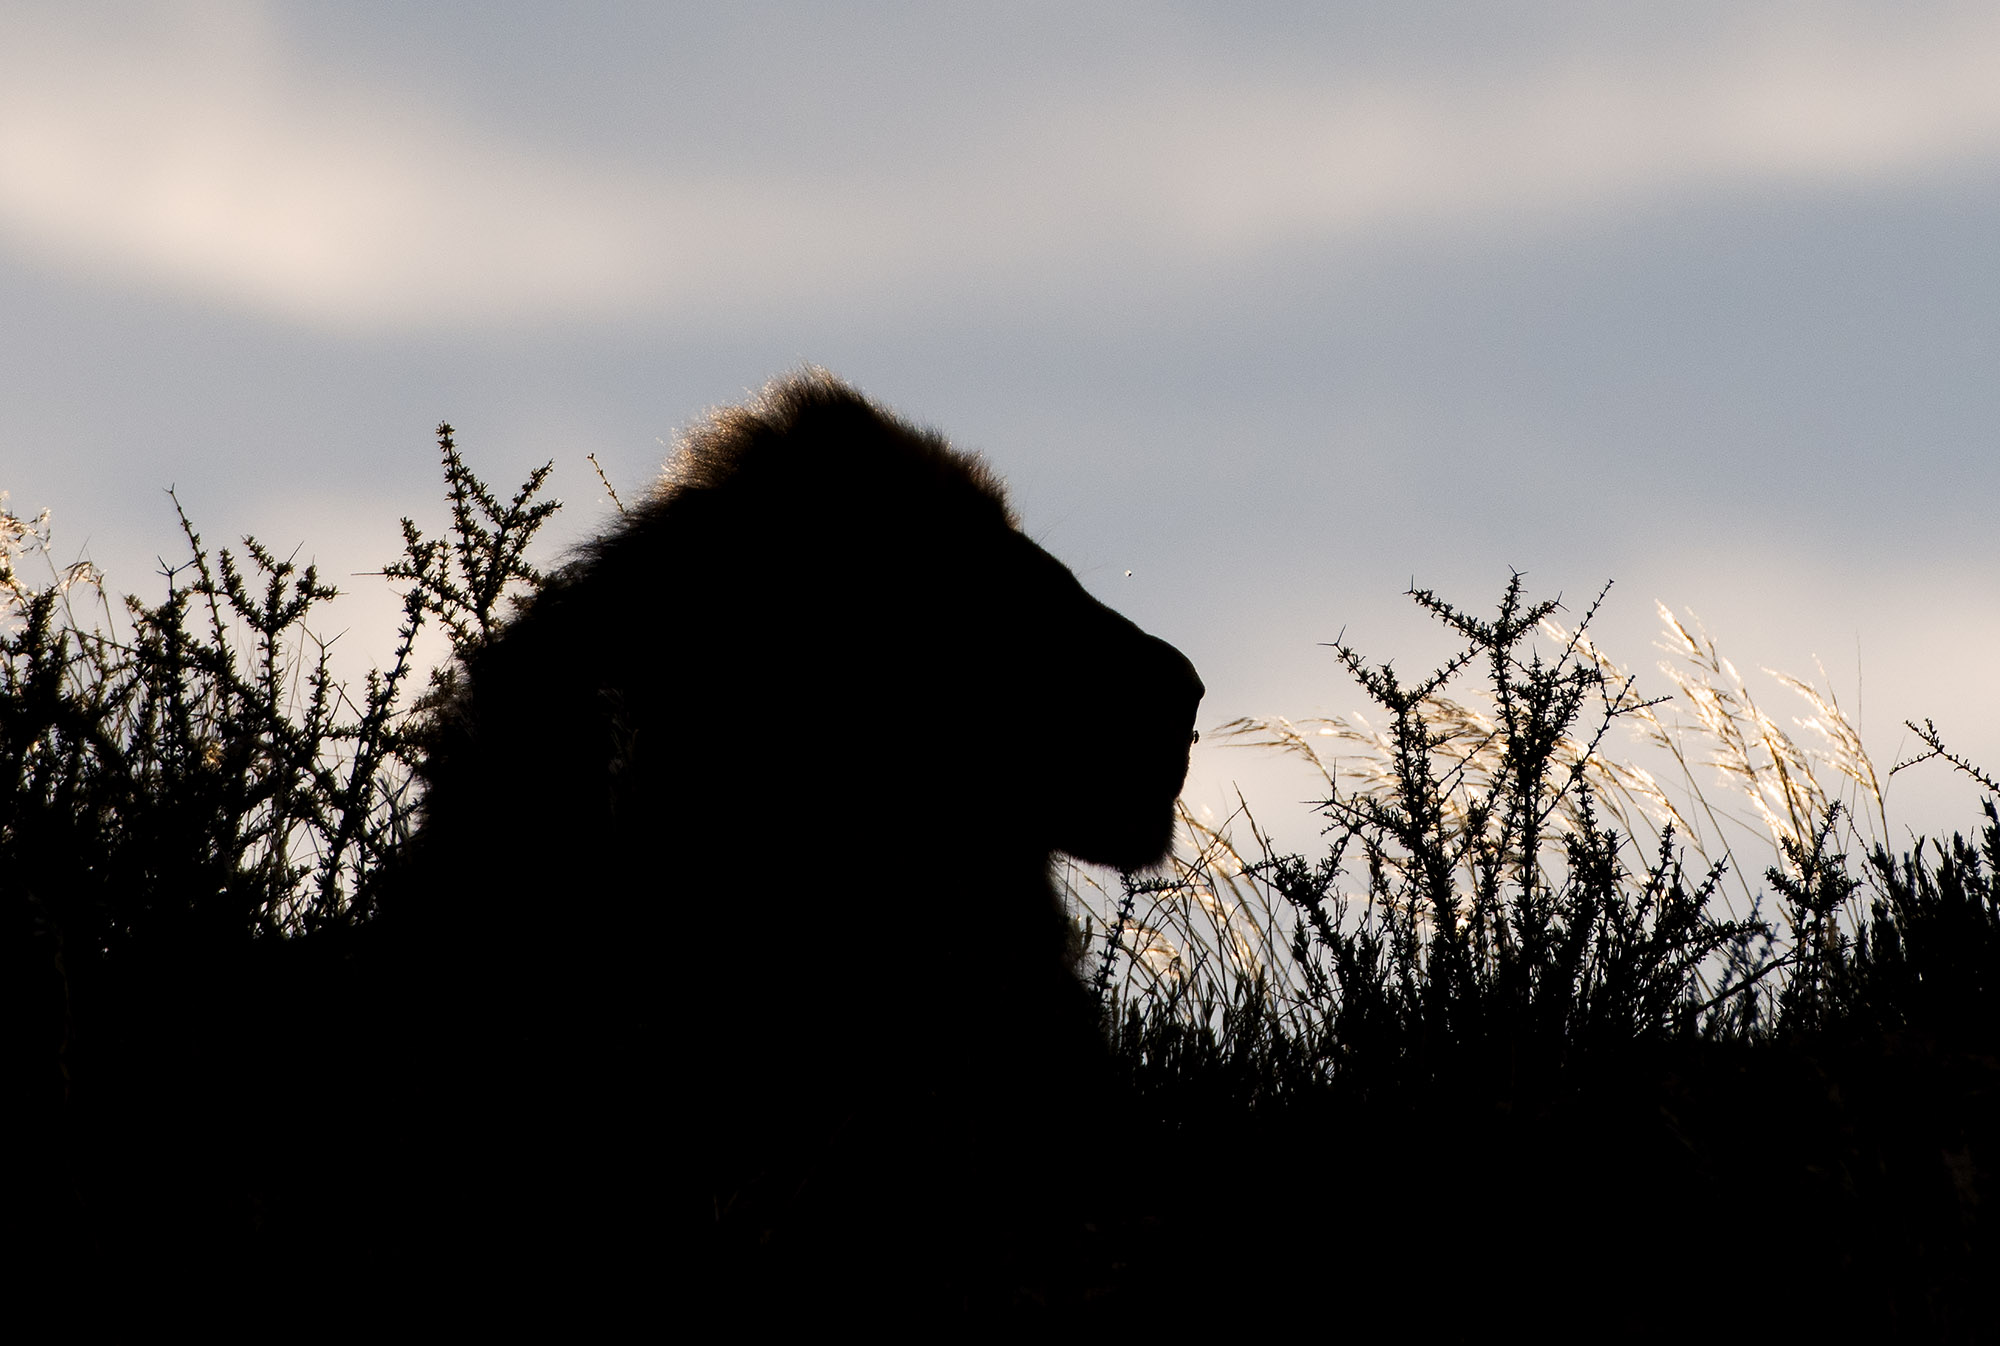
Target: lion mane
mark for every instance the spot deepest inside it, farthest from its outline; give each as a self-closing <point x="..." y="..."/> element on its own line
<point x="734" y="884"/>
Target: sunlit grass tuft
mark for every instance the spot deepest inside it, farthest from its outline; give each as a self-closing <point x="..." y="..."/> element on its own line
<point x="1450" y="799"/>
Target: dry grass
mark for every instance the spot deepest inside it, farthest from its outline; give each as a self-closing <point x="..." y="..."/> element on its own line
<point x="1711" y="768"/>
<point x="1197" y="931"/>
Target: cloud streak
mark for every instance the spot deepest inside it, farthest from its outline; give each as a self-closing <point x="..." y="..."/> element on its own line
<point x="212" y="160"/>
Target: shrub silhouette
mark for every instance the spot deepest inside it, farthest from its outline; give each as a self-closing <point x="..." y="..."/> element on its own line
<point x="740" y="833"/>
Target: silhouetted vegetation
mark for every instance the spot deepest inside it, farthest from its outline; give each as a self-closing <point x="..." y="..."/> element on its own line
<point x="193" y="813"/>
<point x="1535" y="1038"/>
<point x="1523" y="1041"/>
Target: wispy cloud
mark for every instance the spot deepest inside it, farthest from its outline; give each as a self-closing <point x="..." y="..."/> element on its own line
<point x="200" y="164"/>
<point x="212" y="158"/>
<point x="1783" y="107"/>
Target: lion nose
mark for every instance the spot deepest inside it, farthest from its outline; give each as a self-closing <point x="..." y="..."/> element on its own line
<point x="1184" y="689"/>
<point x="1195" y="689"/>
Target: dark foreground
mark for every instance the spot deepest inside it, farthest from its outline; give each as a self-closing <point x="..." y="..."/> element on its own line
<point x="318" y="1174"/>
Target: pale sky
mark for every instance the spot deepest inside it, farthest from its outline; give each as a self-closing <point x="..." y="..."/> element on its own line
<point x="1278" y="307"/>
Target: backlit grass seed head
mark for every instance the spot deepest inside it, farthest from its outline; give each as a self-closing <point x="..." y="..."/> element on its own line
<point x="1752" y="754"/>
<point x="1153" y="951"/>
<point x="1843" y="750"/>
<point x="19" y="537"/>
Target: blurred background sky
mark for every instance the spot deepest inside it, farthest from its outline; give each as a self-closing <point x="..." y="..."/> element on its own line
<point x="1278" y="307"/>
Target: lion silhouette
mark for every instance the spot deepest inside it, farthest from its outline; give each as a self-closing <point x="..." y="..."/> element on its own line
<point x="734" y="882"/>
